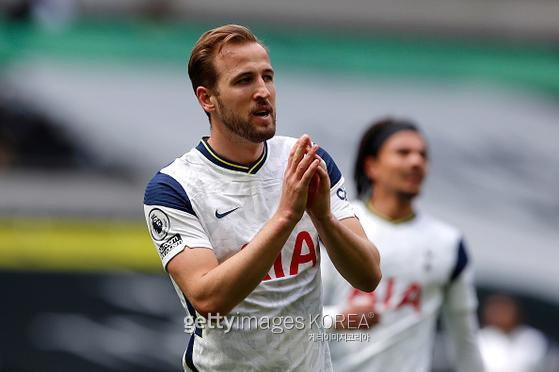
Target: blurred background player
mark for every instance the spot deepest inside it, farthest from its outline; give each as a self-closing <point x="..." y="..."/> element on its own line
<point x="508" y="345"/>
<point x="424" y="264"/>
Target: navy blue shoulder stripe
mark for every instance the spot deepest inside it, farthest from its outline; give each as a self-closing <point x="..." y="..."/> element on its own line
<point x="164" y="190"/>
<point x="333" y="171"/>
<point x="461" y="261"/>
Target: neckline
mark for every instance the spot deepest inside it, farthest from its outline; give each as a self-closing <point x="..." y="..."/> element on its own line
<point x="210" y="154"/>
<point x="388" y="219"/>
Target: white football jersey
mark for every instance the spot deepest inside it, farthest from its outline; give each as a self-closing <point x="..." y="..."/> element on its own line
<point x="203" y="200"/>
<point x="424" y="265"/>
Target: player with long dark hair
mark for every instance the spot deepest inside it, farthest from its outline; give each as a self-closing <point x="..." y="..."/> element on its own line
<point x="425" y="266"/>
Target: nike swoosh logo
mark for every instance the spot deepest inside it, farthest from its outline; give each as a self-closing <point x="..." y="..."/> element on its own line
<point x="221" y="215"/>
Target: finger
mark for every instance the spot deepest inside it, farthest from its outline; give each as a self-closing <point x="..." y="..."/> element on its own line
<point x="315" y="182"/>
<point x="292" y="155"/>
<point x="306" y="140"/>
<point x="307" y="176"/>
<point x="322" y="163"/>
<point x="324" y="177"/>
<point x="305" y="162"/>
<point x="294" y="151"/>
<point x="304" y="145"/>
<point x="295" y="158"/>
<point x="307" y="157"/>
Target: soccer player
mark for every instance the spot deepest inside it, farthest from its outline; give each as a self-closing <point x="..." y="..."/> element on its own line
<point x="424" y="263"/>
<point x="507" y="344"/>
<point x="237" y="220"/>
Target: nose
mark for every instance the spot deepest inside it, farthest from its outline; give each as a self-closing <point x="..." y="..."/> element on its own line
<point x="262" y="90"/>
<point x="417" y="159"/>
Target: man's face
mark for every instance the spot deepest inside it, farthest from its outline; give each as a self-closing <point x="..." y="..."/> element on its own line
<point x="401" y="164"/>
<point x="245" y="96"/>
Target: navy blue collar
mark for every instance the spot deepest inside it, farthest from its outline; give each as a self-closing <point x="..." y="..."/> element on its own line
<point x="206" y="150"/>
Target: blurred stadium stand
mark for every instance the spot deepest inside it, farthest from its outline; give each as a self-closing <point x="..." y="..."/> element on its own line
<point x="499" y="18"/>
<point x="94" y="99"/>
<point x="32" y="140"/>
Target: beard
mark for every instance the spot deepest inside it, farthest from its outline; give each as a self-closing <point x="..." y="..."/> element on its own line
<point x="407" y="196"/>
<point x="402" y="196"/>
<point x="243" y="128"/>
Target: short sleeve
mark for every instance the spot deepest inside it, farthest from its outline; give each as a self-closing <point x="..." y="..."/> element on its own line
<point x="339" y="204"/>
<point x="171" y="220"/>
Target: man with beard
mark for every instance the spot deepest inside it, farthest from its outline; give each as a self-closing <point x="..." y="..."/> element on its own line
<point x="242" y="214"/>
<point x="424" y="264"/>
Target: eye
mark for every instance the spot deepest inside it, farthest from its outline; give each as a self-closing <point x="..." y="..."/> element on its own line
<point x="268" y="77"/>
<point x="244" y="80"/>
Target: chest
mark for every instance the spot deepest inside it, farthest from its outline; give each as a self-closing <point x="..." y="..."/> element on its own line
<point x="233" y="212"/>
<point x="415" y="268"/>
<point x="414" y="256"/>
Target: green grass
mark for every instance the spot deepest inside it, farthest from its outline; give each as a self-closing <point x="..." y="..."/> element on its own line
<point x="76" y="245"/>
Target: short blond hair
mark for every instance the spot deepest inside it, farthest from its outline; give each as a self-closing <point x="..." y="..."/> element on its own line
<point x="201" y="68"/>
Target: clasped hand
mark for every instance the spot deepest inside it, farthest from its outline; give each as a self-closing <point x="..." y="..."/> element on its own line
<point x="306" y="184"/>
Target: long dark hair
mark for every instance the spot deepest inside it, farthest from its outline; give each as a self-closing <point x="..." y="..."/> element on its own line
<point x="370" y="144"/>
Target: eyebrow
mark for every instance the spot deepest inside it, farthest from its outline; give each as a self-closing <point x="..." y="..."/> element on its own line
<point x="251" y="73"/>
<point x="242" y="75"/>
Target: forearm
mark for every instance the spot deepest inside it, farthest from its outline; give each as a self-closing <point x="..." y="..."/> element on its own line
<point x="353" y="255"/>
<point x="223" y="287"/>
<point x="462" y="328"/>
<point x="459" y="315"/>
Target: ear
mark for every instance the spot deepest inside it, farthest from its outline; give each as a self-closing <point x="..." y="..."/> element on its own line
<point x="205" y="100"/>
<point x="370" y="167"/>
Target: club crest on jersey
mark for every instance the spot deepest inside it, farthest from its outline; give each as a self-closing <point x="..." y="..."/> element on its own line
<point x="158" y="224"/>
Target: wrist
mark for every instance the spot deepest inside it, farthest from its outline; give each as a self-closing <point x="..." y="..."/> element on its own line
<point x="286" y="219"/>
<point x="323" y="220"/>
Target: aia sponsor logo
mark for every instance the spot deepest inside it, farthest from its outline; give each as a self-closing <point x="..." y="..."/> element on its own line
<point x="384" y="298"/>
<point x="303" y="242"/>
